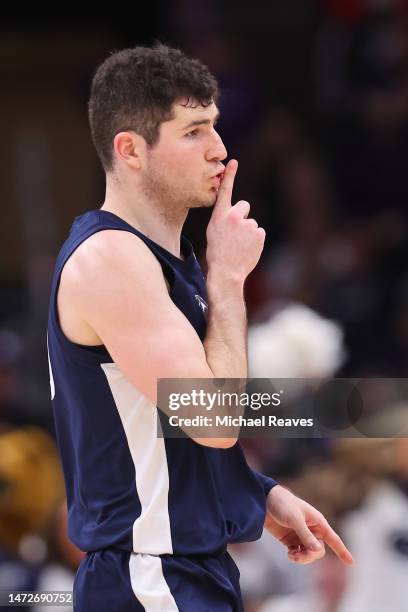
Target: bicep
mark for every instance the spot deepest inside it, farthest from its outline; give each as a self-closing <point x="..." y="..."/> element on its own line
<point x="130" y="309"/>
<point x="151" y="341"/>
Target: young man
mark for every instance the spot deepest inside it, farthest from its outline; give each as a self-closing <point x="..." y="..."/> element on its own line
<point x="128" y="306"/>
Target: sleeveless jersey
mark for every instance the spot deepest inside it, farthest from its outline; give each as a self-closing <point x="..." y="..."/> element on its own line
<point x="126" y="487"/>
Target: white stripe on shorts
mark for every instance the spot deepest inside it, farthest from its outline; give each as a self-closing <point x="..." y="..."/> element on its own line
<point x="149" y="584"/>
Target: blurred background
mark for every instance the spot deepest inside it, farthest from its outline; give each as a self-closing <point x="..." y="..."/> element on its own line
<point x="315" y="107"/>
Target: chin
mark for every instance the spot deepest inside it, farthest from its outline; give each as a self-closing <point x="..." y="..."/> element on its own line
<point x="211" y="198"/>
<point x="204" y="202"/>
<point x="210" y="203"/>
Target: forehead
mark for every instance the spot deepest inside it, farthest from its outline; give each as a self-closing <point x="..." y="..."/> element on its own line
<point x="185" y="111"/>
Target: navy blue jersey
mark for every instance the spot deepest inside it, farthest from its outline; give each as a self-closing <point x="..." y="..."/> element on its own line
<point x="127" y="488"/>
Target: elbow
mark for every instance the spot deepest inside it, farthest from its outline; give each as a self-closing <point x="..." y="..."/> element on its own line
<point x="216" y="442"/>
<point x="227" y="442"/>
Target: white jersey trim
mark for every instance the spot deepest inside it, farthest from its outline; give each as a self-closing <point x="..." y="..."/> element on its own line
<point x="151" y="530"/>
<point x="52" y="384"/>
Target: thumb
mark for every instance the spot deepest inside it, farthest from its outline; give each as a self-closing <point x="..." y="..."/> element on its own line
<point x="305" y="535"/>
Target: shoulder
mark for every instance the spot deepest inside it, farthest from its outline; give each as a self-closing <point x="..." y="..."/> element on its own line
<point x="110" y="277"/>
<point x="110" y="254"/>
<point x="110" y="267"/>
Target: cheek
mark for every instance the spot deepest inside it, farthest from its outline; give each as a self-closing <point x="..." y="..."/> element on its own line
<point x="183" y="169"/>
<point x="170" y="163"/>
<point x="180" y="168"/>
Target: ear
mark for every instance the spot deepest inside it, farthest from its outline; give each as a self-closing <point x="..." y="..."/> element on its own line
<point x="130" y="148"/>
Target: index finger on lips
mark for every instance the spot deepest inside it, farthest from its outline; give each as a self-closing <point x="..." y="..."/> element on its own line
<point x="227" y="184"/>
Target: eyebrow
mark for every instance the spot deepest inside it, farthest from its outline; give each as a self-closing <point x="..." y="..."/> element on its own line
<point x="201" y="122"/>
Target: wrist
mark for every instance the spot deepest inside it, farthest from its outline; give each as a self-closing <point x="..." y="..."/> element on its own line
<point x="276" y="493"/>
<point x="220" y="282"/>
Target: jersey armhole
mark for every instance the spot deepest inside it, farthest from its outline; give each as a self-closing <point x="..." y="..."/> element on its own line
<point x="98" y="349"/>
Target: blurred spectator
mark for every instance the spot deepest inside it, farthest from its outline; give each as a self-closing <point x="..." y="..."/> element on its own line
<point x="35" y="553"/>
<point x="58" y="573"/>
<point x="377" y="533"/>
<point x="319" y="247"/>
<point x="371" y="141"/>
<point x="32" y="484"/>
<point x="328" y="579"/>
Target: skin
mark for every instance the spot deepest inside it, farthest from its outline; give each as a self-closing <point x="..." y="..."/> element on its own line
<point x="147" y="179"/>
<point x="301" y="528"/>
<point x="153" y="188"/>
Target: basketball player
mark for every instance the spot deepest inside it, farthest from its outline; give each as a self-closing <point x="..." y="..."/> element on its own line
<point x="129" y="306"/>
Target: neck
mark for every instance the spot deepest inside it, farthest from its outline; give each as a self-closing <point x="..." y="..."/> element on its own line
<point x="161" y="224"/>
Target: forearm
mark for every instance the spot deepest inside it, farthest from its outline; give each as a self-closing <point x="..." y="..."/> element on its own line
<point x="225" y="343"/>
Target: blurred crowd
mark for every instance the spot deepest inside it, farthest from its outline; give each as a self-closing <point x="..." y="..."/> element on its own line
<point x="321" y="135"/>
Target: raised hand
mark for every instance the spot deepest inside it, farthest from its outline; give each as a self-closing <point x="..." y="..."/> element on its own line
<point x="234" y="242"/>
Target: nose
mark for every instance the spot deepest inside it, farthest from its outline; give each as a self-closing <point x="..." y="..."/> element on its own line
<point x="216" y="150"/>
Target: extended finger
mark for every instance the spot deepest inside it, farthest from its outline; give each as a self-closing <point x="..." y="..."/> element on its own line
<point x="337" y="545"/>
<point x="224" y="195"/>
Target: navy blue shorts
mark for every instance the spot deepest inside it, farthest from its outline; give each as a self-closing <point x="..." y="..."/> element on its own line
<point x="114" y="580"/>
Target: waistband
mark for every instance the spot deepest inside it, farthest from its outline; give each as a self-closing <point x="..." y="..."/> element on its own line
<point x="210" y="555"/>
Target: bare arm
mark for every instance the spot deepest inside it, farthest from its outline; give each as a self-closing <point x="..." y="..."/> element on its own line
<point x="117" y="288"/>
<point x="225" y="342"/>
<point x="234" y="245"/>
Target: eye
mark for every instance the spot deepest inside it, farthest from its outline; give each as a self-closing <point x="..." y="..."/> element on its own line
<point x="192" y="134"/>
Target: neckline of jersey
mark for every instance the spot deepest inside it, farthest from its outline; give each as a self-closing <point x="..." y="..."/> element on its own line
<point x="185" y="245"/>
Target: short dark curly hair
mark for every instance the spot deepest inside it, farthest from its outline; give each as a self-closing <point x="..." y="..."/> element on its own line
<point x="135" y="89"/>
